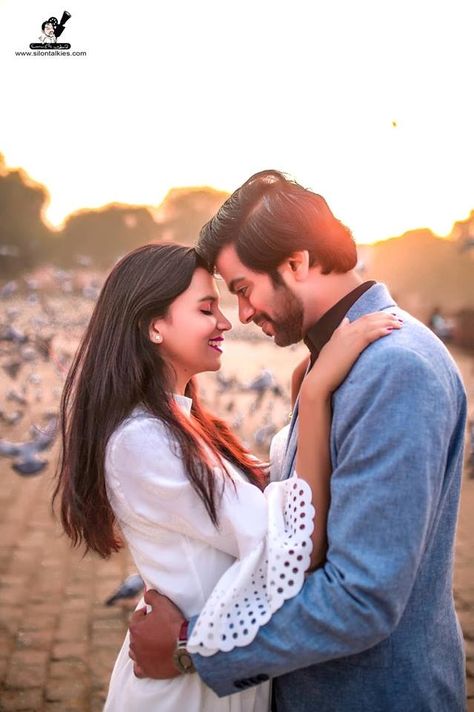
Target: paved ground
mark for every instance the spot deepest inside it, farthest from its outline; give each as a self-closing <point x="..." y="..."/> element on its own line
<point x="57" y="639"/>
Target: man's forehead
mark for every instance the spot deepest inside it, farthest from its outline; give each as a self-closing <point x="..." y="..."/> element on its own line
<point x="229" y="266"/>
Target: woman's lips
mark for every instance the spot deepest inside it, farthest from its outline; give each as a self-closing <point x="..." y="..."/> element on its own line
<point x="214" y="344"/>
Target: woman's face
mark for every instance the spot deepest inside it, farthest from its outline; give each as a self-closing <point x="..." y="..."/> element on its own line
<point x="190" y="337"/>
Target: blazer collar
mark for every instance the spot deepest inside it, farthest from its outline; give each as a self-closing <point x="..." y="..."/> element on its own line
<point x="374" y="299"/>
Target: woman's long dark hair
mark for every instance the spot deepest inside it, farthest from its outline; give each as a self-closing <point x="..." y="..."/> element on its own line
<point x="115" y="369"/>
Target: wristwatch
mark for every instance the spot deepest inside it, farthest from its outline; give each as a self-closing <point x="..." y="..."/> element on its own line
<point x="181" y="658"/>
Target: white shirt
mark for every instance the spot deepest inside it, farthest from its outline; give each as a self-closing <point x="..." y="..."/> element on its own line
<point x="178" y="551"/>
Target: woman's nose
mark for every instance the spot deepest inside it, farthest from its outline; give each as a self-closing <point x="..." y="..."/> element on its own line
<point x="223" y="324"/>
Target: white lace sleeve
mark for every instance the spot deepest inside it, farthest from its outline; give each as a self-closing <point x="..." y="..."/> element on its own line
<point x="258" y="584"/>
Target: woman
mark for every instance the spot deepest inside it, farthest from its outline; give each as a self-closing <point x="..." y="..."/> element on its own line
<point x="140" y="450"/>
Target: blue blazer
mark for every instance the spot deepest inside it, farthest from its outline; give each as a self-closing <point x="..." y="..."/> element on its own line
<point x="375" y="629"/>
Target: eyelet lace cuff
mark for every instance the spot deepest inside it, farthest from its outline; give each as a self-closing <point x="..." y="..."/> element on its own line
<point x="258" y="584"/>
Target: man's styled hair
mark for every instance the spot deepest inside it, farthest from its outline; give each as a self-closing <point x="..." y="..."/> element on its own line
<point x="271" y="216"/>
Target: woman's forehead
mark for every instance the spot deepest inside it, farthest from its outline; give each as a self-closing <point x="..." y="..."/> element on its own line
<point x="203" y="285"/>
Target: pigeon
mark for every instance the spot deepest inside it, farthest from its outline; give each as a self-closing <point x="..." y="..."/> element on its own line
<point x="224" y="383"/>
<point x="9" y="333"/>
<point x="8" y="289"/>
<point x="12" y="368"/>
<point x="25" y="455"/>
<point x="34" y="378"/>
<point x="264" y="435"/>
<point x="28" y="353"/>
<point x="13" y="395"/>
<point x="262" y="382"/>
<point x="131" y="587"/>
<point x="11" y="418"/>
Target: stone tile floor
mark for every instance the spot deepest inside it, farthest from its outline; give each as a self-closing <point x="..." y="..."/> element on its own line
<point x="57" y="639"/>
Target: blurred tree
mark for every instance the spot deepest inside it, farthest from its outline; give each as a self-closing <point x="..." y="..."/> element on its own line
<point x="184" y="211"/>
<point x="423" y="271"/>
<point x="463" y="234"/>
<point x="105" y="234"/>
<point x="24" y="237"/>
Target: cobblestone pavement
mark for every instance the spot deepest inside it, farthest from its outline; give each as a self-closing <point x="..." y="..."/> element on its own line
<point x="57" y="639"/>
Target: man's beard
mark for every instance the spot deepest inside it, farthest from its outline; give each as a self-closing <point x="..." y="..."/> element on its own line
<point x="288" y="317"/>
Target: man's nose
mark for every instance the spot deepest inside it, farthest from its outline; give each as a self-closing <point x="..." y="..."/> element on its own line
<point x="246" y="312"/>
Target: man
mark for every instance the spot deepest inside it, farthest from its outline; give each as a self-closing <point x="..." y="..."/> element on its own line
<point x="374" y="629"/>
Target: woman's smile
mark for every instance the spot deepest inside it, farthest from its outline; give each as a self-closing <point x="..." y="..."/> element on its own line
<point x="214" y="343"/>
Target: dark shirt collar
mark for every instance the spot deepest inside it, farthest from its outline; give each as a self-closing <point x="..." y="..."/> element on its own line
<point x="319" y="334"/>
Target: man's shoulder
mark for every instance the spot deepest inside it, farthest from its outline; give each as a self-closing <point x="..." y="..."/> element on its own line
<point x="413" y="345"/>
<point x="412" y="356"/>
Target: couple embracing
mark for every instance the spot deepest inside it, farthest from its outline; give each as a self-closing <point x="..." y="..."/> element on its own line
<point x="325" y="583"/>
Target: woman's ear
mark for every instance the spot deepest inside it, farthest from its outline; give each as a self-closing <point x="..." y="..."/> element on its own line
<point x="154" y="333"/>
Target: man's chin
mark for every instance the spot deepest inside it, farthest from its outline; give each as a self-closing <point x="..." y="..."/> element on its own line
<point x="286" y="339"/>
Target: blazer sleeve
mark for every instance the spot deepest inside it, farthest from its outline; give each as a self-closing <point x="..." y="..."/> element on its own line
<point x="392" y="442"/>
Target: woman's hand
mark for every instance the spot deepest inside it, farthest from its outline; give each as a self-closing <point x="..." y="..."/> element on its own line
<point x="337" y="357"/>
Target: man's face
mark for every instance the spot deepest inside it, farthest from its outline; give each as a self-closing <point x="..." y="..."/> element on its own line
<point x="49" y="29"/>
<point x="277" y="310"/>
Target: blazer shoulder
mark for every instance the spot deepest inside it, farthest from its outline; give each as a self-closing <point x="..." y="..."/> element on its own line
<point x="411" y="359"/>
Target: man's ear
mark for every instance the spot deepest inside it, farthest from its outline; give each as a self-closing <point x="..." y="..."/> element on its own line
<point x="298" y="265"/>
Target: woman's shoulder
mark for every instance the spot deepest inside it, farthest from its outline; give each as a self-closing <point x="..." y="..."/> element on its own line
<point x="138" y="432"/>
<point x="137" y="419"/>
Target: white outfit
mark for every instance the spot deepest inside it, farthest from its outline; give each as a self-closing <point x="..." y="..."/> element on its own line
<point x="234" y="576"/>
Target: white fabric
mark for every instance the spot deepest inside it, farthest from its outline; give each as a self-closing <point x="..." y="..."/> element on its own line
<point x="178" y="551"/>
<point x="278" y="452"/>
<point x="267" y="574"/>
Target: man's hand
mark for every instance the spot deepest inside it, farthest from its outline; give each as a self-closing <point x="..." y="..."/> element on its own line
<point x="153" y="637"/>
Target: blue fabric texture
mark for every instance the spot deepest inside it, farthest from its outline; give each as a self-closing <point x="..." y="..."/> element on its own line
<point x="375" y="629"/>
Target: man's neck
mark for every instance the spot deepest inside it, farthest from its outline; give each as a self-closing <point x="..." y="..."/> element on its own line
<point x="328" y="290"/>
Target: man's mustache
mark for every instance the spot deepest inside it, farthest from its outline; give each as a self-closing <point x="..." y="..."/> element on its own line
<point x="259" y="319"/>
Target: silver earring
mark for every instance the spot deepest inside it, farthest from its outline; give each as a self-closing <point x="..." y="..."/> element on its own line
<point x="158" y="338"/>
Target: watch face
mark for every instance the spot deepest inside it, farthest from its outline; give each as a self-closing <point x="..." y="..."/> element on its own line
<point x="183" y="661"/>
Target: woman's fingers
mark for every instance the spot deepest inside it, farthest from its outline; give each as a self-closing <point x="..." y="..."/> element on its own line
<point x="373" y="326"/>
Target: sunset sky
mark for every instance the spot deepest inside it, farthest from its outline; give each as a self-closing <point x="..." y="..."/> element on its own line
<point x="369" y="103"/>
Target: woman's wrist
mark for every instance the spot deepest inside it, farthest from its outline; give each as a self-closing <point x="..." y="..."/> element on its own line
<point x="314" y="394"/>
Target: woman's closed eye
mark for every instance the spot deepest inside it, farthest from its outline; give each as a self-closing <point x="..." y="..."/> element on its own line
<point x="206" y="311"/>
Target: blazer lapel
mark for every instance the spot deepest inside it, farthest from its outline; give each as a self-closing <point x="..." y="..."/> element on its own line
<point x="374" y="299"/>
<point x="290" y="453"/>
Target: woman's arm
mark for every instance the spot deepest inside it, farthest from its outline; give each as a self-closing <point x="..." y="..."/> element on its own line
<point x="297" y="379"/>
<point x="313" y="460"/>
<point x="313" y="464"/>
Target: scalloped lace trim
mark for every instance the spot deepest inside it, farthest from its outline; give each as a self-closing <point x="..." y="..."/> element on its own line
<point x="257" y="585"/>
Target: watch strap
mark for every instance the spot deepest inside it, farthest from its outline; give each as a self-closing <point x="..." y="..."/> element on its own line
<point x="183" y="632"/>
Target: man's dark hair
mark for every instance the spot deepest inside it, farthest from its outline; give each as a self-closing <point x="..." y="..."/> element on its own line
<point x="271" y="216"/>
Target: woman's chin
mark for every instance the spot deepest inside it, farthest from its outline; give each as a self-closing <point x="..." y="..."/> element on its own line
<point x="213" y="364"/>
